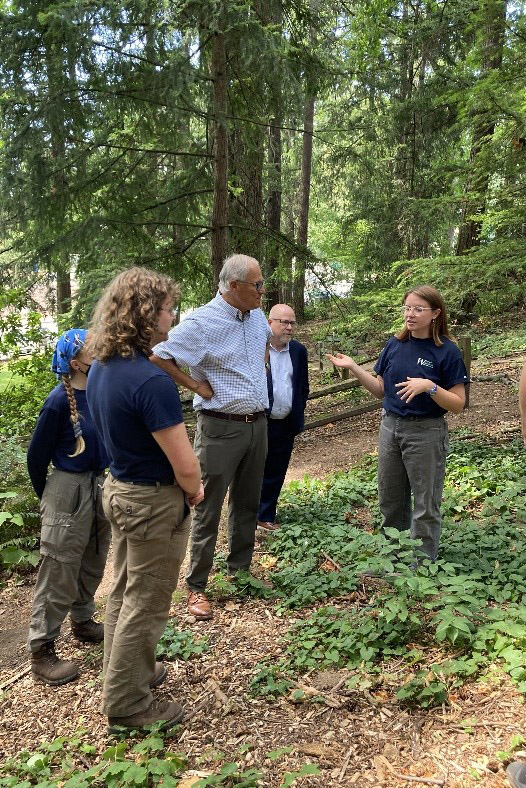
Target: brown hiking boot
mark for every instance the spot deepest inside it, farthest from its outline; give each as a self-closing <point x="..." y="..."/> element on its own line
<point x="159" y="675"/>
<point x="167" y="712"/>
<point x="87" y="631"/>
<point x="47" y="667"/>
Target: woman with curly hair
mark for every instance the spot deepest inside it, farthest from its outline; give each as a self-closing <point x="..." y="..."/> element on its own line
<point x="420" y="376"/>
<point x="154" y="477"/>
<point x="75" y="533"/>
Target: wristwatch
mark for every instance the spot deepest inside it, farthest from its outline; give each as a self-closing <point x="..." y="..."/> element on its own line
<point x="433" y="391"/>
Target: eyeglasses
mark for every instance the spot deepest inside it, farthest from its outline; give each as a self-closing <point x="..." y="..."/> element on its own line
<point x="290" y="323"/>
<point x="258" y="285"/>
<point x="416" y="310"/>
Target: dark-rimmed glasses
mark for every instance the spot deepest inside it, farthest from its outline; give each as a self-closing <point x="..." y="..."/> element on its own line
<point x="258" y="285"/>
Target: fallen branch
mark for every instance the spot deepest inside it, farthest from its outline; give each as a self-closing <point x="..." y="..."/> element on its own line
<point x="15" y="677"/>
<point x="345" y="764"/>
<point x="331" y="560"/>
<point x="504" y="378"/>
<point x="410" y="777"/>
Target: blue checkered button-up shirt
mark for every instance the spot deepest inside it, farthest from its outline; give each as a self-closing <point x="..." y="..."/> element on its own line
<point x="220" y="344"/>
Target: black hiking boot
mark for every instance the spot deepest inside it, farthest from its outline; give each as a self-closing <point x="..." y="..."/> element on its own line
<point x="87" y="631"/>
<point x="48" y="668"/>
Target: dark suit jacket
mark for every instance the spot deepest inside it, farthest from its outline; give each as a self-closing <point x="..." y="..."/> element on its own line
<point x="300" y="386"/>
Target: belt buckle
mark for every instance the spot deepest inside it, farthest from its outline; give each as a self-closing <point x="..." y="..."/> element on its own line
<point x="249" y="418"/>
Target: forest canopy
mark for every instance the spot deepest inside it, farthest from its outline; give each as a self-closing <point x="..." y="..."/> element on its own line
<point x="369" y="141"/>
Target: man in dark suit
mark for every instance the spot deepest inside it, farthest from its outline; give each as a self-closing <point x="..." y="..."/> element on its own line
<point x="288" y="388"/>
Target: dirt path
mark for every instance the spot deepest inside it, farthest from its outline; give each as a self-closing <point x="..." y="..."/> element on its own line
<point x="357" y="743"/>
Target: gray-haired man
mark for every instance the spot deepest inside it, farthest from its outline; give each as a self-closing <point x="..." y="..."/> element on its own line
<point x="224" y="344"/>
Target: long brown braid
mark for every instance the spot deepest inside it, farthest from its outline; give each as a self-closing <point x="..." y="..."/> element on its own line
<point x="74" y="417"/>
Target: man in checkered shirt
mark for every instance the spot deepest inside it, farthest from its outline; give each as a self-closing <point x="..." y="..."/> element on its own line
<point x="224" y="344"/>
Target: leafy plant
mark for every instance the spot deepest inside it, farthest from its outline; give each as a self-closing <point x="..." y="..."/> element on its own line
<point x="468" y="604"/>
<point x="57" y="763"/>
<point x="15" y="552"/>
<point x="180" y="644"/>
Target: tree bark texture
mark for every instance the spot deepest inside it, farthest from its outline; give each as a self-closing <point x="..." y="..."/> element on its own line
<point x="274" y="210"/>
<point x="303" y="222"/>
<point x="220" y="208"/>
<point x="56" y="122"/>
<point x="492" y="23"/>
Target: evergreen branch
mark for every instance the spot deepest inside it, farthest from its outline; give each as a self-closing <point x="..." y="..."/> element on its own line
<point x="173" y="199"/>
<point x="135" y="149"/>
<point x="143" y="59"/>
<point x="193" y="241"/>
<point x="109" y="220"/>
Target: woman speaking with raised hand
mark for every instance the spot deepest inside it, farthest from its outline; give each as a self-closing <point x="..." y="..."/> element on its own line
<point x="420" y="377"/>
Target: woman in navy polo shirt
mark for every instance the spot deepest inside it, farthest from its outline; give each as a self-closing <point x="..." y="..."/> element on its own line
<point x="420" y="377"/>
<point x="154" y="477"/>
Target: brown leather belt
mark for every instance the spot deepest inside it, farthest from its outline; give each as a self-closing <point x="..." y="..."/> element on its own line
<point x="246" y="417"/>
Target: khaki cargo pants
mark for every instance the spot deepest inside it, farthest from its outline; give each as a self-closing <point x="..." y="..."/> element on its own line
<point x="150" y="527"/>
<point x="74" y="543"/>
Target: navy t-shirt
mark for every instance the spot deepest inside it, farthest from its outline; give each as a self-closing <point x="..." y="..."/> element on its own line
<point x="419" y="358"/>
<point x="53" y="440"/>
<point x="130" y="398"/>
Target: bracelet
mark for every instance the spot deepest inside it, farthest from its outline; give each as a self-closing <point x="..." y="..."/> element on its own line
<point x="433" y="391"/>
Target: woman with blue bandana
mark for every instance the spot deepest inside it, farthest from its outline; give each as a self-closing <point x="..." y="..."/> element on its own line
<point x="75" y="534"/>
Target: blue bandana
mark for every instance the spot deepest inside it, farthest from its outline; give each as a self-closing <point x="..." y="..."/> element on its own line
<point x="67" y="347"/>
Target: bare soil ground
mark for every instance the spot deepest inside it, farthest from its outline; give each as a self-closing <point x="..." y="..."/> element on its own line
<point x="354" y="738"/>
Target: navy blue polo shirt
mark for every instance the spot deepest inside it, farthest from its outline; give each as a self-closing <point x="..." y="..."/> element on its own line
<point x="419" y="358"/>
<point x="130" y="398"/>
<point x="54" y="441"/>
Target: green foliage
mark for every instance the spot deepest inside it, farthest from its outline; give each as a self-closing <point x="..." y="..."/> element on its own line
<point x="289" y="778"/>
<point x="232" y="774"/>
<point x="27" y="346"/>
<point x="15" y="552"/>
<point x="149" y="762"/>
<point x="490" y="343"/>
<point x="72" y="762"/>
<point x="180" y="644"/>
<point x="468" y="605"/>
<point x="21" y="400"/>
<point x="245" y="584"/>
<point x="23" y="520"/>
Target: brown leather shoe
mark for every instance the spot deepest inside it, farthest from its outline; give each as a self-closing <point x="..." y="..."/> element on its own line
<point x="159" y="675"/>
<point x="199" y="606"/>
<point x="267" y="526"/>
<point x="169" y="713"/>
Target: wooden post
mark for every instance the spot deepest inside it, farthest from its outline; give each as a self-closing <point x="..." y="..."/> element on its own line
<point x="464" y="344"/>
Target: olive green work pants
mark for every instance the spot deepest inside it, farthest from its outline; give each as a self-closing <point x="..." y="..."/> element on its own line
<point x="74" y="542"/>
<point x="150" y="527"/>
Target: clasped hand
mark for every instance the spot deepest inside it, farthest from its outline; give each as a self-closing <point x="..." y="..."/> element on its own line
<point x="413" y="386"/>
<point x="195" y="499"/>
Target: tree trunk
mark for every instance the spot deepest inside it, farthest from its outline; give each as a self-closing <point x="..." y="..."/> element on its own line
<point x="56" y="123"/>
<point x="492" y="22"/>
<point x="274" y="210"/>
<point x="63" y="290"/>
<point x="303" y="223"/>
<point x="405" y="135"/>
<point x="220" y="209"/>
<point x="246" y="148"/>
